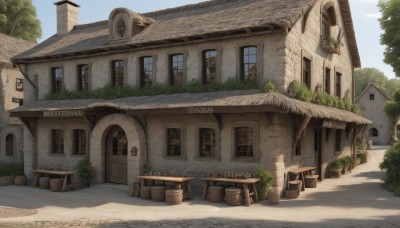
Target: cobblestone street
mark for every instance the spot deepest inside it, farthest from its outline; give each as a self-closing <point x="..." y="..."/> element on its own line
<point x="354" y="200"/>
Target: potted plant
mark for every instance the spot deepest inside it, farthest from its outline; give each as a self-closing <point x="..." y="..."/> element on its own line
<point x="344" y="162"/>
<point x="335" y="167"/>
<point x="332" y="45"/>
<point x="84" y="169"/>
<point x="362" y="156"/>
<point x="265" y="183"/>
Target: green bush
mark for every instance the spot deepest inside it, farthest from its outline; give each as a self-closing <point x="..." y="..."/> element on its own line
<point x="11" y="169"/>
<point x="341" y="104"/>
<point x="356" y="109"/>
<point x="391" y="164"/>
<point x="347" y="104"/>
<point x="300" y="91"/>
<point x="265" y="183"/>
<point x="362" y="155"/>
<point x="395" y="188"/>
<point x="110" y="92"/>
<point x="336" y="164"/>
<point x="84" y="168"/>
<point x="269" y="87"/>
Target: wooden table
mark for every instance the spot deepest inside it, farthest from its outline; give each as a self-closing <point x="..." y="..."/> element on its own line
<point x="300" y="172"/>
<point x="64" y="174"/>
<point x="249" y="187"/>
<point x="179" y="182"/>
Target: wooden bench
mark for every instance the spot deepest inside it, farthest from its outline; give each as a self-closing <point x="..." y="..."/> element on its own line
<point x="179" y="183"/>
<point x="64" y="174"/>
<point x="301" y="172"/>
<point x="249" y="187"/>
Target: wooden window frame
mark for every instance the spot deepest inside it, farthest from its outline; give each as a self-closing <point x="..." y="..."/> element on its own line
<point x="255" y="130"/>
<point x="183" y="154"/>
<point x="142" y="71"/>
<point x="80" y="76"/>
<point x="338" y="84"/>
<point x="54" y="142"/>
<point x="306" y="78"/>
<point x="77" y="141"/>
<point x="205" y="66"/>
<point x="327" y="80"/>
<point x="172" y="72"/>
<point x="10" y="146"/>
<point x="372" y="97"/>
<point x="243" y="63"/>
<point x="338" y="142"/>
<point x="56" y="84"/>
<point x="118" y="72"/>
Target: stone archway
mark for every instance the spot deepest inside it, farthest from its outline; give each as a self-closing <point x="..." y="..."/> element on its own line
<point x="136" y="139"/>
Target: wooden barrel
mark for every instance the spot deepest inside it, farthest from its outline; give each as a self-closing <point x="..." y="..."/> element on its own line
<point x="274" y="196"/>
<point x="20" y="181"/>
<point x="56" y="185"/>
<point x="292" y="194"/>
<point x="44" y="182"/>
<point x="295" y="185"/>
<point x="145" y="192"/>
<point x="6" y="180"/>
<point x="233" y="196"/>
<point x="174" y="196"/>
<point x="216" y="194"/>
<point x="158" y="193"/>
<point x="311" y="181"/>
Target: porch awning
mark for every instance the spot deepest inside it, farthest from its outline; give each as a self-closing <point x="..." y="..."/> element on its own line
<point x="245" y="101"/>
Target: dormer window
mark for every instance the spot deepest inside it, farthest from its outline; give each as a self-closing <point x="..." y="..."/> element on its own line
<point x="329" y="35"/>
<point x="121" y="28"/>
<point x="124" y="23"/>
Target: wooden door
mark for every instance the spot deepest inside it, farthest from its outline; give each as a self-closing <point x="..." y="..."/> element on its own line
<point x="116" y="156"/>
<point x="318" y="151"/>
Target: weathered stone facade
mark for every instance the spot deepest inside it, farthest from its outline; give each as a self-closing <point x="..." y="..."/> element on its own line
<point x="279" y="58"/>
<point x="372" y="103"/>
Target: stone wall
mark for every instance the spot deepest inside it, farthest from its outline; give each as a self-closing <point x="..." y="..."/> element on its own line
<point x="270" y="69"/>
<point x="308" y="44"/>
<point x="374" y="111"/>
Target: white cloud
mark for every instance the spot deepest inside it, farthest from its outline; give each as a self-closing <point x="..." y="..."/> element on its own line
<point x="374" y="15"/>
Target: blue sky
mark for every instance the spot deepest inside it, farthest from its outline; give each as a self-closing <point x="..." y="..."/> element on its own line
<point x="365" y="17"/>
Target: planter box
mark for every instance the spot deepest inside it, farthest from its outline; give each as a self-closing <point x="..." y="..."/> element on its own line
<point x="328" y="46"/>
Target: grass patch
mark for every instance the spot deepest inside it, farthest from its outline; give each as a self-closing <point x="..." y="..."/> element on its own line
<point x="395" y="188"/>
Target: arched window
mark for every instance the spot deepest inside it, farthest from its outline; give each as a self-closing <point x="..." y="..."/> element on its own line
<point x="373" y="132"/>
<point x="10" y="145"/>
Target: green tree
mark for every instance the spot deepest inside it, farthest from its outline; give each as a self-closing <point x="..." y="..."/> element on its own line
<point x="392" y="110"/>
<point x="390" y="22"/>
<point x="365" y="75"/>
<point x="18" y="19"/>
<point x="392" y="86"/>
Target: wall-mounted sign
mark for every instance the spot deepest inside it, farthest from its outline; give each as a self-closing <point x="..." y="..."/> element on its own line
<point x="19" y="84"/>
<point x="334" y="124"/>
<point x="200" y="110"/>
<point x="64" y="113"/>
<point x="17" y="100"/>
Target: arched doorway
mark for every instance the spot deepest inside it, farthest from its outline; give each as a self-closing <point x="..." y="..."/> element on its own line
<point x="116" y="156"/>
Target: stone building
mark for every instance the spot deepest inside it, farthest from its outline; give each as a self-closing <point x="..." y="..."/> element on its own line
<point x="195" y="134"/>
<point x="372" y="102"/>
<point x="11" y="96"/>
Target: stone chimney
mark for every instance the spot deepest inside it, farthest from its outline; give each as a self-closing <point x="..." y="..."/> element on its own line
<point x="67" y="16"/>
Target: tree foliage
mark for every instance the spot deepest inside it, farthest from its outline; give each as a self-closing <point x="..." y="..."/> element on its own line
<point x="18" y="19"/>
<point x="392" y="110"/>
<point x="365" y="75"/>
<point x="390" y="22"/>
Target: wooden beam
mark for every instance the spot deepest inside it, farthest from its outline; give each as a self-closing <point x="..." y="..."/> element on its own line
<point x="300" y="132"/>
<point x="31" y="125"/>
<point x="90" y="120"/>
<point x="217" y="119"/>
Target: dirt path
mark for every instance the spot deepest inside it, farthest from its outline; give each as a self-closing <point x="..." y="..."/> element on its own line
<point x="354" y="200"/>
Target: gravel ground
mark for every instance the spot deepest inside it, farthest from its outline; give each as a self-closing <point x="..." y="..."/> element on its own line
<point x="354" y="200"/>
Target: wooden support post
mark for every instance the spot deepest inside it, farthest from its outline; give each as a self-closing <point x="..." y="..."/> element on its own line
<point x="300" y="132"/>
<point x="30" y="125"/>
